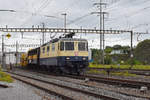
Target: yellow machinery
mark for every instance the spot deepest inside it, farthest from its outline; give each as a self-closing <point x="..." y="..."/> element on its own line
<point x="23" y="60"/>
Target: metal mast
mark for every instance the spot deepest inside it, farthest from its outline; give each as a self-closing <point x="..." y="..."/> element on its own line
<point x="43" y="35"/>
<point x="65" y="20"/>
<point x="101" y="14"/>
<point x="3" y="54"/>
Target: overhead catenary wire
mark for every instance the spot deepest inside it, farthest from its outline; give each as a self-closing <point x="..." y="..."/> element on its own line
<point x="129" y="14"/>
<point x="43" y="5"/>
<point x="79" y="18"/>
<point x="84" y="16"/>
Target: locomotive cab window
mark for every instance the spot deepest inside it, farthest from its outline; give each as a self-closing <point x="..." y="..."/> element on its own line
<point x="82" y="46"/>
<point x="61" y="46"/>
<point x="43" y="49"/>
<point x="58" y="46"/>
<point x="69" y="45"/>
<point x="53" y="47"/>
<point x="47" y="48"/>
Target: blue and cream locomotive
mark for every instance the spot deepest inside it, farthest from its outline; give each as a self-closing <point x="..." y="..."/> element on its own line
<point x="67" y="55"/>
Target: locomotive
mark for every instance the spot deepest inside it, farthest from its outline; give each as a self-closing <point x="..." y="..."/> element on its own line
<point x="63" y="55"/>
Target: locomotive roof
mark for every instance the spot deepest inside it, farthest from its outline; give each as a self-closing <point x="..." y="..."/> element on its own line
<point x="33" y="50"/>
<point x="56" y="40"/>
<point x="72" y="39"/>
<point x="64" y="39"/>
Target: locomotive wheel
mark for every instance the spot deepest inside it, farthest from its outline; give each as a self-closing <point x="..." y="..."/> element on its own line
<point x="78" y="73"/>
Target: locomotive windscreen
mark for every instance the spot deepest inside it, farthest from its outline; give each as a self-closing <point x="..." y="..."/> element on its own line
<point x="61" y="46"/>
<point x="69" y="45"/>
<point x="82" y="46"/>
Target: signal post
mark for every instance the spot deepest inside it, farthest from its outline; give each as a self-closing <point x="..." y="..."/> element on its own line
<point x="3" y="53"/>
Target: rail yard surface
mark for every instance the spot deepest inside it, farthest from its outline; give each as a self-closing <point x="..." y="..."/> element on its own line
<point x="18" y="91"/>
<point x="88" y="88"/>
<point x="74" y="50"/>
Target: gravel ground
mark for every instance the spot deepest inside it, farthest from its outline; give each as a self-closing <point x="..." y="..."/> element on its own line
<point x="66" y="92"/>
<point x="21" y="91"/>
<point x="17" y="91"/>
<point x="123" y="90"/>
<point x="44" y="95"/>
<point x="99" y="88"/>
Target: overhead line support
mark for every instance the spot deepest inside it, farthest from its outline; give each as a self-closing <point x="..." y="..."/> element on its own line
<point x="43" y="33"/>
<point x="62" y="30"/>
<point x="101" y="14"/>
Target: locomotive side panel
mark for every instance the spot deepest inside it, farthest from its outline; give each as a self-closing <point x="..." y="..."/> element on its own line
<point x="48" y="54"/>
<point x="33" y="56"/>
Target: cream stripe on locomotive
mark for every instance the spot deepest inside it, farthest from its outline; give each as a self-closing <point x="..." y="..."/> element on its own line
<point x="53" y="50"/>
<point x="49" y="50"/>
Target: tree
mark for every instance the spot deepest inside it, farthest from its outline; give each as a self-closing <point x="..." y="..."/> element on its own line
<point x="117" y="47"/>
<point x="108" y="49"/>
<point x="142" y="52"/>
<point x="96" y="55"/>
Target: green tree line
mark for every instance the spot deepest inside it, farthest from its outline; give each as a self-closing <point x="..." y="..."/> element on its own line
<point x="141" y="54"/>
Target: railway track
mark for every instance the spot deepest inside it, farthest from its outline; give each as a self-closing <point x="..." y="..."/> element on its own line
<point x="4" y="86"/>
<point x="119" y="69"/>
<point x="113" y="81"/>
<point x="110" y="81"/>
<point x="21" y="78"/>
<point x="133" y="71"/>
<point x="95" y="95"/>
<point x="88" y="86"/>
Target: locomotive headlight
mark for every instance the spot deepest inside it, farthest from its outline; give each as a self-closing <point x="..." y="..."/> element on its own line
<point x="84" y="58"/>
<point x="67" y="58"/>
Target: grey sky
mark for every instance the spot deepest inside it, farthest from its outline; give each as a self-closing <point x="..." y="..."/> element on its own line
<point x="123" y="14"/>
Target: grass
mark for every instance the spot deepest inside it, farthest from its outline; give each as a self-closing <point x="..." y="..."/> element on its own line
<point x="5" y="77"/>
<point x="142" y="67"/>
<point x="124" y="73"/>
<point x="94" y="71"/>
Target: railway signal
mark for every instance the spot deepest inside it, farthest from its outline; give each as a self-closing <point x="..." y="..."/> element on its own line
<point x="8" y="35"/>
<point x="3" y="53"/>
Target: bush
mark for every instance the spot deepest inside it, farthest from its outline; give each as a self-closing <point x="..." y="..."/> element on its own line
<point x="133" y="61"/>
<point x="108" y="60"/>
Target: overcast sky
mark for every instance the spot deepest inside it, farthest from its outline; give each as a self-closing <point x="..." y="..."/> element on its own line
<point x="123" y="14"/>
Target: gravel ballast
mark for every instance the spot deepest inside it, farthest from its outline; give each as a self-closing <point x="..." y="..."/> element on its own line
<point x="99" y="90"/>
<point x="17" y="91"/>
